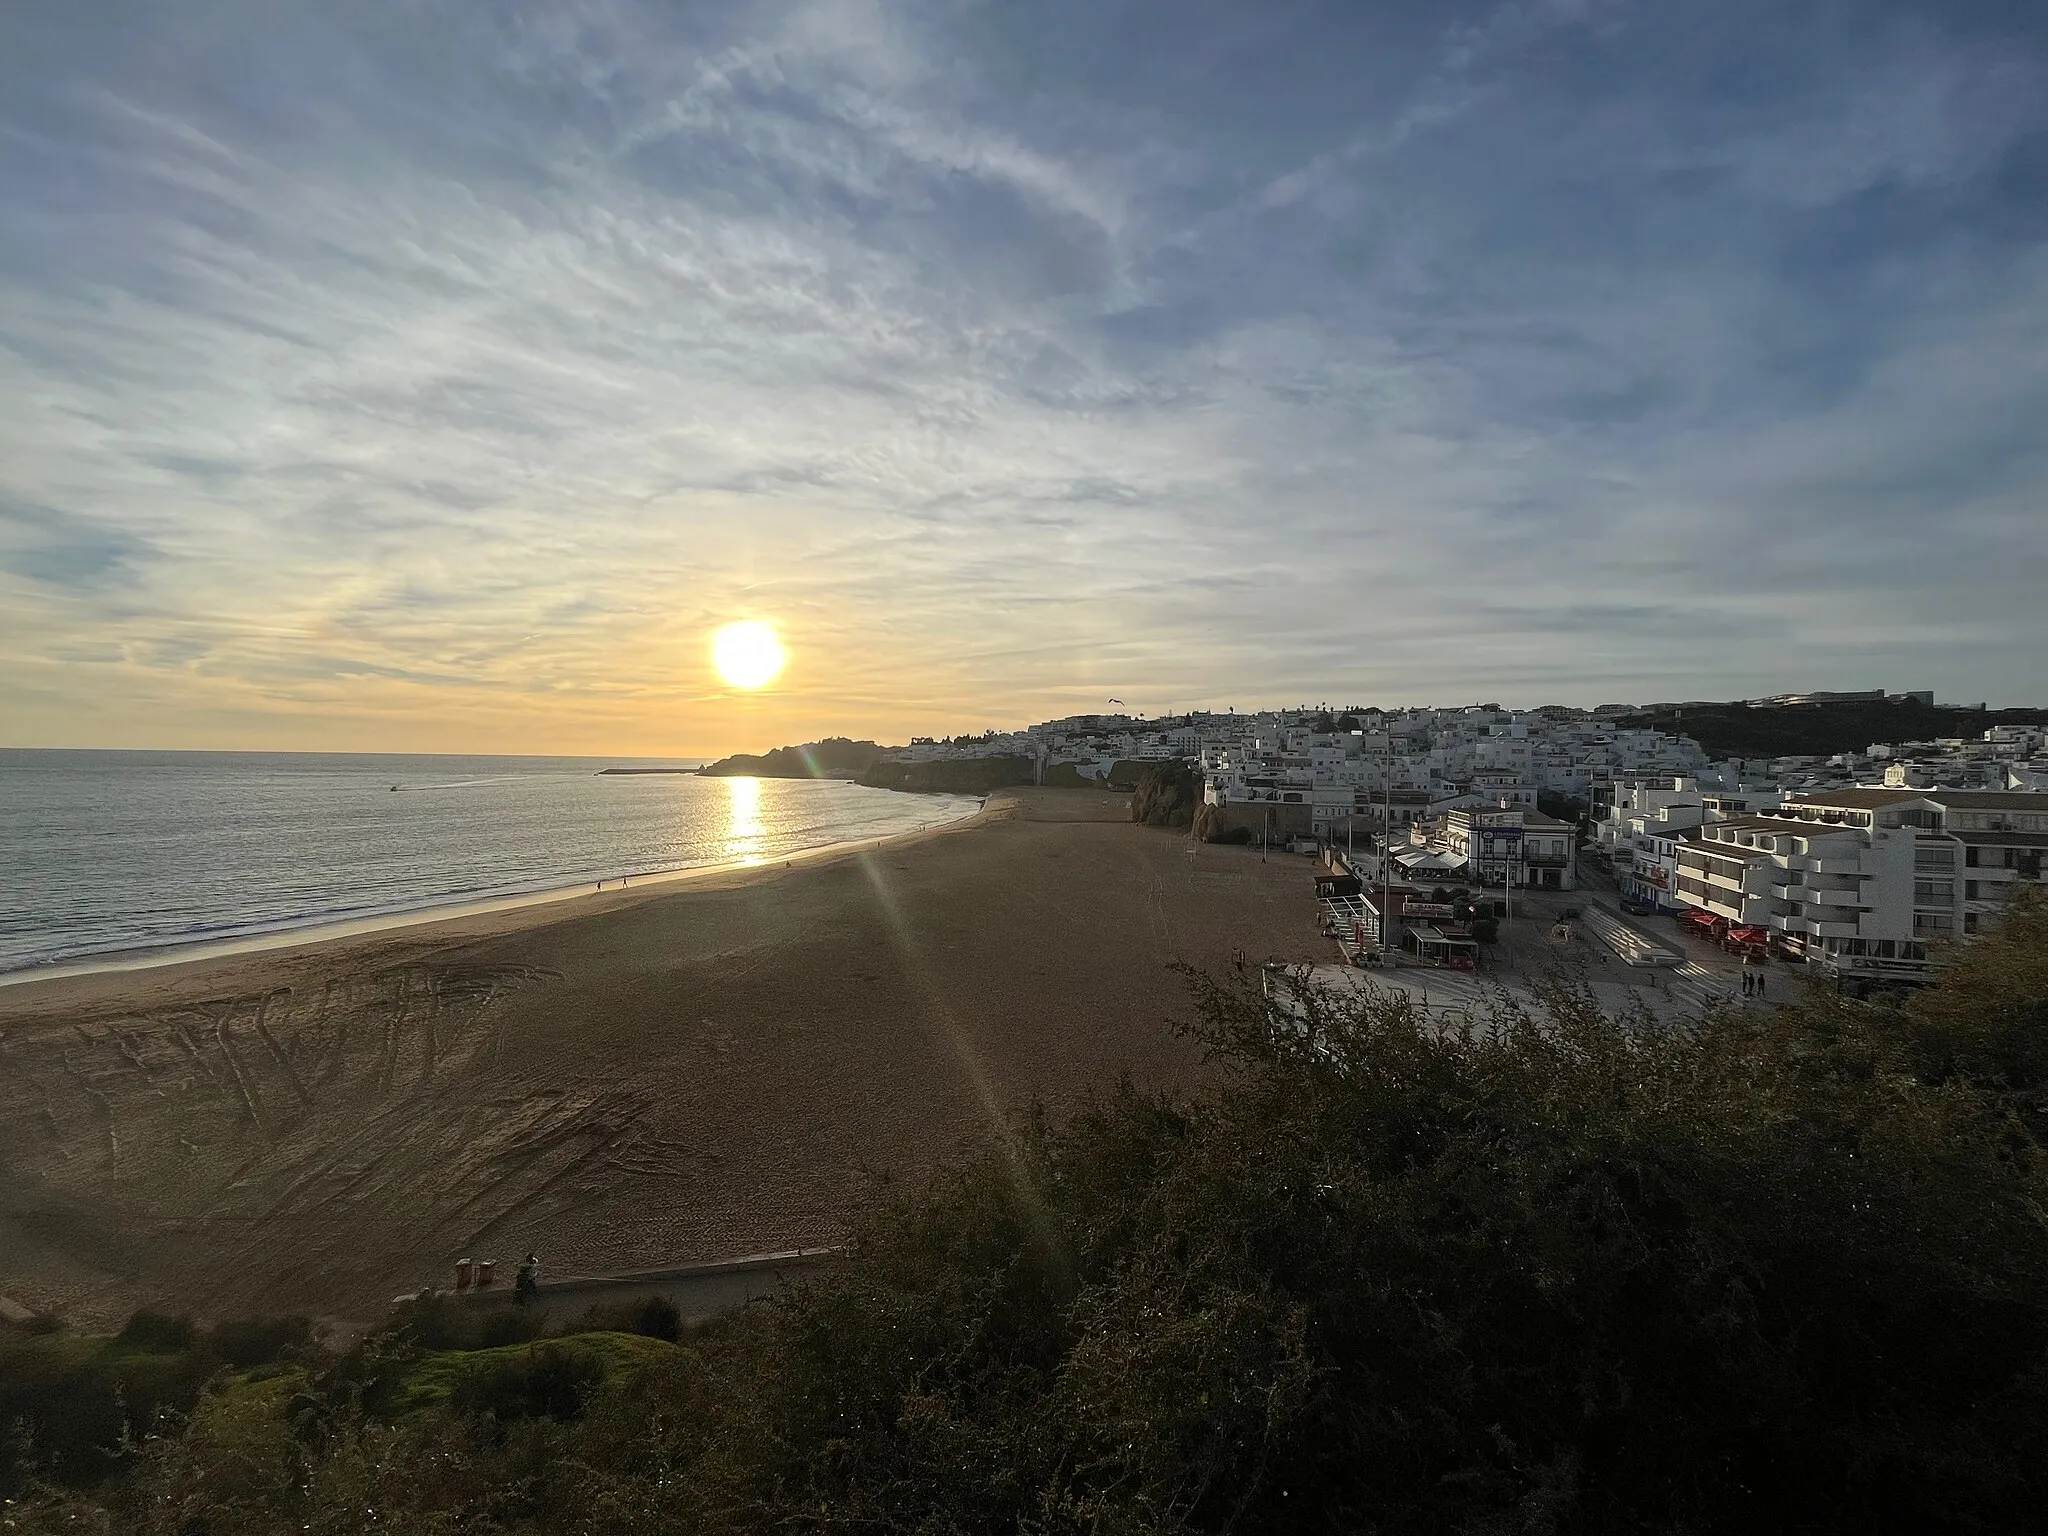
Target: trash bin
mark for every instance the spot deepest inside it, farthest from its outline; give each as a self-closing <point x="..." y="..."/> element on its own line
<point x="464" y="1270"/>
<point x="483" y="1272"/>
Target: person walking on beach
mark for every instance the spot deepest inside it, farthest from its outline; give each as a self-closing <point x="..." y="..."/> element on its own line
<point x="526" y="1284"/>
<point x="1759" y="986"/>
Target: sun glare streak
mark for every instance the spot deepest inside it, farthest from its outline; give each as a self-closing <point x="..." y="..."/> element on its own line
<point x="918" y="973"/>
<point x="748" y="654"/>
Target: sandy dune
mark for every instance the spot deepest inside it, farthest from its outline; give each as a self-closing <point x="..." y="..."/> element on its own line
<point x="647" y="1078"/>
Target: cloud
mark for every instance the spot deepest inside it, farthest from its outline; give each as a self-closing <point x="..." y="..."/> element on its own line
<point x="366" y="359"/>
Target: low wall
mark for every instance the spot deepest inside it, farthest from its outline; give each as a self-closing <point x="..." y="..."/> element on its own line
<point x="699" y="1291"/>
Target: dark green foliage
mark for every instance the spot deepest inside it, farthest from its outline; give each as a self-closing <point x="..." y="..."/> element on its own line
<point x="1167" y="795"/>
<point x="1562" y="1273"/>
<point x="74" y="1408"/>
<point x="249" y="1342"/>
<point x="653" y="1317"/>
<point x="155" y="1333"/>
<point x="1821" y="730"/>
<point x="547" y="1381"/>
<point x="458" y="1322"/>
<point x="71" y="1408"/>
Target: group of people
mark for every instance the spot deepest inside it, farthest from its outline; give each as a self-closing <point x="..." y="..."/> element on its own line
<point x="1752" y="982"/>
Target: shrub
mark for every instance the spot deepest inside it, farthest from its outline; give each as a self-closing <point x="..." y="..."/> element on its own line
<point x="653" y="1317"/>
<point x="73" y="1409"/>
<point x="155" y="1333"/>
<point x="546" y="1381"/>
<point x="451" y="1322"/>
<point x="245" y="1343"/>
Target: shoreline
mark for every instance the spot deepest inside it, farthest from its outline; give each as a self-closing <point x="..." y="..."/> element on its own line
<point x="334" y="930"/>
<point x="662" y="1075"/>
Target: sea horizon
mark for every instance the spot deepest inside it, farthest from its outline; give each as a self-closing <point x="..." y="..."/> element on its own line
<point x="116" y="857"/>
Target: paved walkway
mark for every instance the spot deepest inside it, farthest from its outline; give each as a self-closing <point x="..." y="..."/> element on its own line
<point x="1529" y="951"/>
<point x="699" y="1291"/>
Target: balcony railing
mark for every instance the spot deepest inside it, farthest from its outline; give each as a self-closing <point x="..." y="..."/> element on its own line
<point x="1836" y="898"/>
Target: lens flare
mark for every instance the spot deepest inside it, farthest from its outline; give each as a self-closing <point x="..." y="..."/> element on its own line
<point x="747" y="655"/>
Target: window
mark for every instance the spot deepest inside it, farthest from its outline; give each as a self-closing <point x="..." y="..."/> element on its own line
<point x="1970" y="888"/>
<point x="1969" y="922"/>
<point x="1939" y="892"/>
<point x="1970" y="857"/>
<point x="1934" y="856"/>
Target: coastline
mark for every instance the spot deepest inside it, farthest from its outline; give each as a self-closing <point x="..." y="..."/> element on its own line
<point x="324" y="931"/>
<point x="652" y="1077"/>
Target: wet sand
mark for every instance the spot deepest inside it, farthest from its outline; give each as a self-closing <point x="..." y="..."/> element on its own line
<point x="642" y="1078"/>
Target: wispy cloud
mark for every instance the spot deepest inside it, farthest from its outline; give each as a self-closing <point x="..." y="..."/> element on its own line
<point x="421" y="377"/>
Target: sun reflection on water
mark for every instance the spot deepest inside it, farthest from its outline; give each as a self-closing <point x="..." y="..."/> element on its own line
<point x="744" y="834"/>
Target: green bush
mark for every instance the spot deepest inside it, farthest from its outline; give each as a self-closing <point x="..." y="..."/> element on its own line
<point x="439" y="1321"/>
<point x="246" y="1343"/>
<point x="653" y="1317"/>
<point x="155" y="1333"/>
<point x="546" y="1381"/>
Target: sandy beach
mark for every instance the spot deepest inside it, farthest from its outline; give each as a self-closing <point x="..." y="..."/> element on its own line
<point x="637" y="1078"/>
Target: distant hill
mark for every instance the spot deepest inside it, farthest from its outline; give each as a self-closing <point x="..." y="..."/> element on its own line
<point x="867" y="763"/>
<point x="833" y="758"/>
<point x="1821" y="730"/>
<point x="953" y="775"/>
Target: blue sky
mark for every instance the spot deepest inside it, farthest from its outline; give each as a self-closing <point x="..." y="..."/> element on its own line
<point x="439" y="375"/>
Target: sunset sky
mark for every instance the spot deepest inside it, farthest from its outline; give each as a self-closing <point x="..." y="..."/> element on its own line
<point x="441" y="376"/>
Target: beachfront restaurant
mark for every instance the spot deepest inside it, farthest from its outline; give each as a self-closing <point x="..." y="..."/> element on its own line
<point x="1448" y="944"/>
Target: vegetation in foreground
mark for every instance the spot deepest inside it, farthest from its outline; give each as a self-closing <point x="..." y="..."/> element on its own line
<point x="1568" y="1273"/>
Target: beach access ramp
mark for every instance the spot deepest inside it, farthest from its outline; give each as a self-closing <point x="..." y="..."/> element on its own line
<point x="1631" y="945"/>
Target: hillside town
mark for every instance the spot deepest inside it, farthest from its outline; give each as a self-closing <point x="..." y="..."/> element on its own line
<point x="1851" y="863"/>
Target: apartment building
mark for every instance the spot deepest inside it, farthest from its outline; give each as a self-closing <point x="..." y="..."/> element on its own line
<point x="1859" y="882"/>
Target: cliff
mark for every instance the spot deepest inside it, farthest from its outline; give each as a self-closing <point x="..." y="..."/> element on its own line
<point x="833" y="758"/>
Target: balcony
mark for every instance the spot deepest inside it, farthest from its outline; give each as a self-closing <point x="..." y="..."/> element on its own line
<point x="1789" y="892"/>
<point x="1852" y="899"/>
<point x="1827" y="930"/>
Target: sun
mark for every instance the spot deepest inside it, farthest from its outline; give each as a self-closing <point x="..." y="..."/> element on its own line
<point x="747" y="655"/>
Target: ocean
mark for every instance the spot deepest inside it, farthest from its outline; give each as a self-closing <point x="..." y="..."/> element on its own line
<point x="106" y="853"/>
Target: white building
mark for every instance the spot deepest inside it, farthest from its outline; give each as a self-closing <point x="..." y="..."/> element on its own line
<point x="1859" y="882"/>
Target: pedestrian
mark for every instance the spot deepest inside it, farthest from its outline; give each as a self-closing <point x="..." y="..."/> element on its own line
<point x="526" y="1284"/>
<point x="1759" y="986"/>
